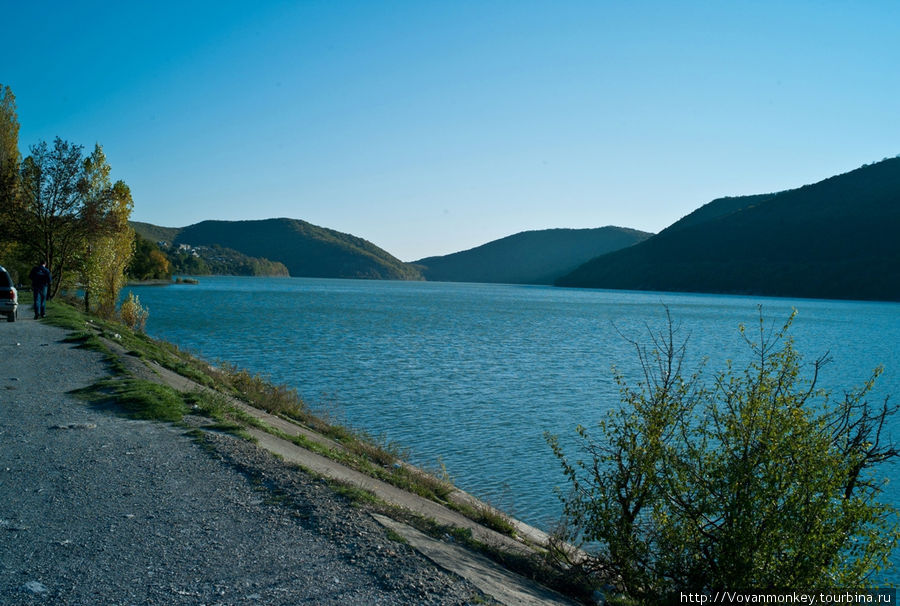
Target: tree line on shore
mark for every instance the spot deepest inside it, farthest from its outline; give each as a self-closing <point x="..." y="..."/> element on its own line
<point x="59" y="204"/>
<point x="161" y="260"/>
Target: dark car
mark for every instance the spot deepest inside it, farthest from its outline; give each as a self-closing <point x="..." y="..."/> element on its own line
<point x="9" y="298"/>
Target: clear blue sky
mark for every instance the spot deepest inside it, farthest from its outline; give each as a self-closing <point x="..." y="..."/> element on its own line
<point x="432" y="127"/>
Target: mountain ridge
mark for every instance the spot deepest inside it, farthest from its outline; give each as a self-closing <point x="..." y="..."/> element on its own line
<point x="307" y="250"/>
<point x="834" y="239"/>
<point x="528" y="257"/>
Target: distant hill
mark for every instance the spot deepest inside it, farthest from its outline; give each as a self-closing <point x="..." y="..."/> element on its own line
<point x="307" y="250"/>
<point x="836" y="239"/>
<point x="531" y="257"/>
<point x="155" y="233"/>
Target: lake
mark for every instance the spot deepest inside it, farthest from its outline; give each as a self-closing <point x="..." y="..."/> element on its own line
<point x="470" y="376"/>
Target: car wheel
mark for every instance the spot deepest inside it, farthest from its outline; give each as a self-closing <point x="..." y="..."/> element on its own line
<point x="11" y="316"/>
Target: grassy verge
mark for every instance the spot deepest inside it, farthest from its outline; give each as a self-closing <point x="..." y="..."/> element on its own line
<point x="138" y="399"/>
<point x="148" y="400"/>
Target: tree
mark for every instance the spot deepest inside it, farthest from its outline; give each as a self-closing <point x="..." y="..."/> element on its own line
<point x="756" y="479"/>
<point x="148" y="262"/>
<point x="111" y="246"/>
<point x="65" y="210"/>
<point x="51" y="219"/>
<point x="9" y="128"/>
<point x="9" y="162"/>
<point x="60" y="207"/>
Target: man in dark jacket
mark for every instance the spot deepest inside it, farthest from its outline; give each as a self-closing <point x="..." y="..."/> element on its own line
<point x="40" y="286"/>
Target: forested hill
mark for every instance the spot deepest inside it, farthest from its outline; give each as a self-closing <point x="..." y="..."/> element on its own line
<point x="307" y="250"/>
<point x="836" y="239"/>
<point x="719" y="207"/>
<point x="155" y="233"/>
<point x="531" y="257"/>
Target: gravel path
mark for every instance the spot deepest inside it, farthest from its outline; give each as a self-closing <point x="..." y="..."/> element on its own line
<point x="99" y="509"/>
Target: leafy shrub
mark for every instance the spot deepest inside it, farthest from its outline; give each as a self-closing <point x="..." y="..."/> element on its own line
<point x="133" y="314"/>
<point x="754" y="480"/>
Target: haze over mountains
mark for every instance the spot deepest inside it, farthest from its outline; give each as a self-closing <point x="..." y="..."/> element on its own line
<point x="838" y="239"/>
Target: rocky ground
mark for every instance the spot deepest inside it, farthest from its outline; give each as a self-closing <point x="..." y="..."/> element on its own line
<point x="99" y="509"/>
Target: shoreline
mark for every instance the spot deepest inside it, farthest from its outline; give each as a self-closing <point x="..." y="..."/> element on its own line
<point x="297" y="449"/>
<point x="96" y="507"/>
<point x="149" y="282"/>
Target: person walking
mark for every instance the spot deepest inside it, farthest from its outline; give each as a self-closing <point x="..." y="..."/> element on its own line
<point x="40" y="287"/>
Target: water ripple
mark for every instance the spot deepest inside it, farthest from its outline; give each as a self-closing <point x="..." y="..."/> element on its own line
<point x="473" y="375"/>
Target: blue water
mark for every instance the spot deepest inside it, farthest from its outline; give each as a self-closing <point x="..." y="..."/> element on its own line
<point x="472" y="375"/>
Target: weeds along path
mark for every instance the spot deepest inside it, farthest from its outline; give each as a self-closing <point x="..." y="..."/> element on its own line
<point x="273" y="434"/>
<point x="98" y="508"/>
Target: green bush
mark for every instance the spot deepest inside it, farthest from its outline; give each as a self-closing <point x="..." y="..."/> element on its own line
<point x="133" y="314"/>
<point x="756" y="479"/>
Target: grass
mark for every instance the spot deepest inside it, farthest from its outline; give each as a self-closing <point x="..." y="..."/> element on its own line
<point x="86" y="328"/>
<point x="359" y="451"/>
<point x="225" y="417"/>
<point x="354" y="494"/>
<point x="489" y="517"/>
<point x="139" y="399"/>
<point x="393" y="535"/>
<point x="148" y="400"/>
<point x="543" y="569"/>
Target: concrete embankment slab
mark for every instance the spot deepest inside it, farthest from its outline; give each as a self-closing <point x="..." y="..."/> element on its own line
<point x="498" y="582"/>
<point x="503" y="585"/>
